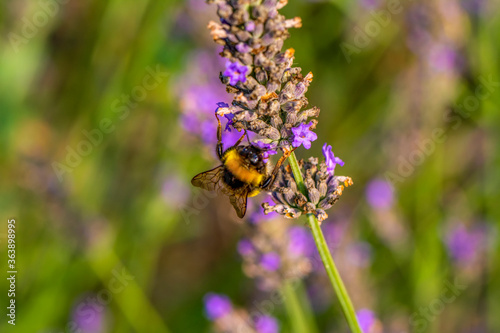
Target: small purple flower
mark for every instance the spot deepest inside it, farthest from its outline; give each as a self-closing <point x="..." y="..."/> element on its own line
<point x="235" y="72"/>
<point x="464" y="245"/>
<point x="266" y="324"/>
<point x="270" y="261"/>
<point x="229" y="118"/>
<point x="300" y="241"/>
<point x="366" y="319"/>
<point x="217" y="306"/>
<point x="269" y="148"/>
<point x="245" y="247"/>
<point x="221" y="105"/>
<point x="302" y="135"/>
<point x="379" y="194"/>
<point x="330" y="159"/>
<point x="89" y="317"/>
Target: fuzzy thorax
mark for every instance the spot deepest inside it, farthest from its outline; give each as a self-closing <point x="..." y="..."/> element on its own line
<point x="236" y="165"/>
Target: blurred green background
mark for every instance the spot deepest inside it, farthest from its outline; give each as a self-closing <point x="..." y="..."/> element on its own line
<point x="402" y="97"/>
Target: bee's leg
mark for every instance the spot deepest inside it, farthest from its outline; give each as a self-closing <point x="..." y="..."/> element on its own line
<point x="240" y="139"/>
<point x="270" y="180"/>
<point x="220" y="147"/>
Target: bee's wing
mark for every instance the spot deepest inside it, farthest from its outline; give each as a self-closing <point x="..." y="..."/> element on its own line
<point x="239" y="201"/>
<point x="210" y="180"/>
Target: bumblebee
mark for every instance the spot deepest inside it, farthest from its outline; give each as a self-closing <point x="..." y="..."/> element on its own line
<point x="243" y="172"/>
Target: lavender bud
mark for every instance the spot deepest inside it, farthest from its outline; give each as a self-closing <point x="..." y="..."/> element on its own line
<point x="260" y="75"/>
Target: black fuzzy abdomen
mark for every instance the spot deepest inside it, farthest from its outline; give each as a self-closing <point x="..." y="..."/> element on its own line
<point x="232" y="181"/>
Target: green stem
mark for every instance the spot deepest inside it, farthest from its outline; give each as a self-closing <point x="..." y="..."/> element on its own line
<point x="299" y="314"/>
<point x="294" y="164"/>
<point x="333" y="274"/>
<point x="326" y="257"/>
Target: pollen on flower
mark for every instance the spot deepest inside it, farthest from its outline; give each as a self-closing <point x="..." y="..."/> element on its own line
<point x="268" y="96"/>
<point x="340" y="189"/>
<point x="309" y="77"/>
<point x="289" y="52"/>
<point x="296" y="22"/>
<point x="281" y="3"/>
<point x="321" y="216"/>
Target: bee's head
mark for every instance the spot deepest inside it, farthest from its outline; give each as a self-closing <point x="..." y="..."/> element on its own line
<point x="251" y="153"/>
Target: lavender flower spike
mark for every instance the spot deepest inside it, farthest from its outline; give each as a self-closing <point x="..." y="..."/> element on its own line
<point x="227" y="319"/>
<point x="268" y="91"/>
<point x="270" y="102"/>
<point x="323" y="190"/>
<point x="275" y="252"/>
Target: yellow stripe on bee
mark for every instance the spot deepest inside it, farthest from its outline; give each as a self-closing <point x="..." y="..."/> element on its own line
<point x="235" y="164"/>
<point x="254" y="192"/>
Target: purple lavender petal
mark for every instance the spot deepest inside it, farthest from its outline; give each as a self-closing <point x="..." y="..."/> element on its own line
<point x="269" y="149"/>
<point x="245" y="247"/>
<point x="464" y="245"/>
<point x="301" y="242"/>
<point x="266" y="324"/>
<point x="366" y="319"/>
<point x="235" y="72"/>
<point x="270" y="261"/>
<point x="229" y="123"/>
<point x="89" y="316"/>
<point x="330" y="159"/>
<point x="334" y="233"/>
<point x="250" y="26"/>
<point x="221" y="105"/>
<point x="302" y="135"/>
<point x="217" y="306"/>
<point x="379" y="194"/>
